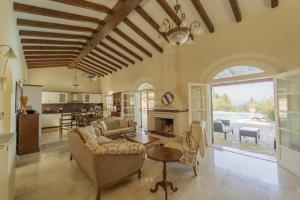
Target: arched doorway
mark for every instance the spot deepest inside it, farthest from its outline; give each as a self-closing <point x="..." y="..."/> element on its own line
<point x="243" y="110"/>
<point x="146" y="94"/>
<point x="7" y="101"/>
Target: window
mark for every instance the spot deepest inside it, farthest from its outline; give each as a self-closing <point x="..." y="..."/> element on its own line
<point x="109" y="101"/>
<point x="238" y="71"/>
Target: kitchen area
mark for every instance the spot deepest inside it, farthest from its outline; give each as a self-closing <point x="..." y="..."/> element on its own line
<point x="54" y="103"/>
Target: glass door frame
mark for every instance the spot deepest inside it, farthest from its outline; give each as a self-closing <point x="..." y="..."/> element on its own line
<point x="208" y="98"/>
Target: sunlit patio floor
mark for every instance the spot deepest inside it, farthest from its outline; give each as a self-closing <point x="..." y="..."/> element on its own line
<point x="264" y="146"/>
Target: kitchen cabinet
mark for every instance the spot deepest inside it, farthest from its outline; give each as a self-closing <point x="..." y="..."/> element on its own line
<point x="50" y="120"/>
<point x="54" y="97"/>
<point x="91" y="98"/>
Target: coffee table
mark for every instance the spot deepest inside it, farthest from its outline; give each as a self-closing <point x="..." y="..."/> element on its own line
<point x="142" y="138"/>
<point x="165" y="155"/>
<point x="249" y="132"/>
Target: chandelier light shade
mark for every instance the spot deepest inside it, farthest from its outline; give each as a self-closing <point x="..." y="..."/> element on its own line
<point x="179" y="31"/>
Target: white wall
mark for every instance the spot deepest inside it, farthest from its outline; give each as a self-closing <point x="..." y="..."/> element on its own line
<point x="10" y="36"/>
<point x="267" y="38"/>
<point x="61" y="79"/>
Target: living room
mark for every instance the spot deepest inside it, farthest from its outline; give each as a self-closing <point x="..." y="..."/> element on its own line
<point x="112" y="99"/>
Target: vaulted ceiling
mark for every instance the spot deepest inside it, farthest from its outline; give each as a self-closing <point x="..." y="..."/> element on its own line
<point x="103" y="36"/>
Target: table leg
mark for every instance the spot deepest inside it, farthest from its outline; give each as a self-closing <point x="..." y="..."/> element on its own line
<point x="164" y="183"/>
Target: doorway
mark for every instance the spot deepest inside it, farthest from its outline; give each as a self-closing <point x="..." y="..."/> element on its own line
<point x="244" y="117"/>
<point x="146" y="102"/>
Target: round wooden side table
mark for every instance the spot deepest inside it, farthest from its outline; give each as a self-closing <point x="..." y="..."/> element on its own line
<point x="165" y="155"/>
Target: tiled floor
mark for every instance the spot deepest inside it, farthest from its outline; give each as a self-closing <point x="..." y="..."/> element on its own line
<point x="221" y="176"/>
<point x="264" y="146"/>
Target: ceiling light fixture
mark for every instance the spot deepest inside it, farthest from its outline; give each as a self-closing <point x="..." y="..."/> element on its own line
<point x="179" y="31"/>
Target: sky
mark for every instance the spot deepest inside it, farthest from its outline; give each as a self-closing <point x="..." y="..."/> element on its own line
<point x="241" y="94"/>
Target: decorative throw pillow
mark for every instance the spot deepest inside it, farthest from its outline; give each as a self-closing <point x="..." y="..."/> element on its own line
<point x="87" y="132"/>
<point x="103" y="140"/>
<point x="123" y="123"/>
<point x="103" y="125"/>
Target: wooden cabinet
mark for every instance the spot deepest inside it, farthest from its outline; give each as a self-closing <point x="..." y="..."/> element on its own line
<point x="116" y="105"/>
<point x="28" y="133"/>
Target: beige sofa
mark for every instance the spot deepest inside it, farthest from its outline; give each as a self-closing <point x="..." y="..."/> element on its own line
<point x="105" y="164"/>
<point x="113" y="127"/>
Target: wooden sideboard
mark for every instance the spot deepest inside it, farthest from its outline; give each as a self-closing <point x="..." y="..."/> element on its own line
<point x="28" y="133"/>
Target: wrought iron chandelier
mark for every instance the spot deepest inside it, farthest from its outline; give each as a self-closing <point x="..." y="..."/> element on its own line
<point x="179" y="31"/>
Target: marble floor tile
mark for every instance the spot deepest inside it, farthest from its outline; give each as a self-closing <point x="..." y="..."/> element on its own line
<point x="49" y="175"/>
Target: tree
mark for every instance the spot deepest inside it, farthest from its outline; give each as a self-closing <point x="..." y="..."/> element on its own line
<point x="223" y="103"/>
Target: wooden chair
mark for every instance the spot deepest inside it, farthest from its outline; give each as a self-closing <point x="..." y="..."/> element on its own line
<point x="66" y="122"/>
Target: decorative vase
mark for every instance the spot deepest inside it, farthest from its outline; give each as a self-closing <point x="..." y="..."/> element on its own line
<point x="24" y="101"/>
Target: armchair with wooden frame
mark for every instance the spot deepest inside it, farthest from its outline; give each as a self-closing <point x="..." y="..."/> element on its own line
<point x="191" y="144"/>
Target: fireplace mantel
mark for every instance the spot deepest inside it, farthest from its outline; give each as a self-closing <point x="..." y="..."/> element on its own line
<point x="180" y="120"/>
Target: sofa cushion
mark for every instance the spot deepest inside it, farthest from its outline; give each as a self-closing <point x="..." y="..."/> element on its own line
<point x="118" y="131"/>
<point x="115" y="147"/>
<point x="103" y="140"/>
<point x="103" y="125"/>
<point x="123" y="123"/>
<point x="87" y="132"/>
<point x="112" y="124"/>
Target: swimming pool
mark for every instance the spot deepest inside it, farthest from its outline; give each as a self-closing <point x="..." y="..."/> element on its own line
<point x="232" y="116"/>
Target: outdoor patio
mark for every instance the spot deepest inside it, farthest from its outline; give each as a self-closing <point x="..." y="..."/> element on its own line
<point x="264" y="146"/>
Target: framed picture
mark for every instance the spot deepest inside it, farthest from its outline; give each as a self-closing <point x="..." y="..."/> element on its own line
<point x="19" y="93"/>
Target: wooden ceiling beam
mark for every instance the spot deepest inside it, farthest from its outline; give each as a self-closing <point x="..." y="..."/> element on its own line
<point x="117" y="52"/>
<point x="118" y="44"/>
<point x="274" y="3"/>
<point x="93" y="67"/>
<point x="105" y="60"/>
<point x="168" y="9"/>
<point x="50" y="25"/>
<point x="18" y="7"/>
<point x="96" y="65"/>
<point x="47" y="60"/>
<point x="50" y="52"/>
<point x="86" y="71"/>
<point x="35" y="47"/>
<point x="121" y="10"/>
<point x="150" y="20"/>
<point x="236" y="10"/>
<point x="143" y="34"/>
<point x="58" y="42"/>
<point x="50" y="57"/>
<point x="83" y="65"/>
<point x="87" y="5"/>
<point x="100" y="62"/>
<point x="47" y="65"/>
<point x="111" y="57"/>
<point x="204" y="16"/>
<point x="52" y="35"/>
<point x="132" y="42"/>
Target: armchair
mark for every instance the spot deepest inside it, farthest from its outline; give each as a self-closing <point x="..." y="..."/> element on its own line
<point x="191" y="144"/>
<point x="223" y="126"/>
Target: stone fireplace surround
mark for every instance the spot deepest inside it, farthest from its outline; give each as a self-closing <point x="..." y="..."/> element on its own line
<point x="179" y="119"/>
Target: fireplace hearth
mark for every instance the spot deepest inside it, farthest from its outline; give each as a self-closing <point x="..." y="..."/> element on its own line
<point x="164" y="126"/>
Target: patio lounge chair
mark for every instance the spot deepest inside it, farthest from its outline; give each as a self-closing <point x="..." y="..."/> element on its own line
<point x="222" y="126"/>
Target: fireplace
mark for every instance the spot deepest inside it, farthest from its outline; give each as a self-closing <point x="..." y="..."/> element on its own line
<point x="168" y="123"/>
<point x="164" y="126"/>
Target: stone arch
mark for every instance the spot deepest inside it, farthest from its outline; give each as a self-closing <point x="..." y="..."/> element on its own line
<point x="269" y="65"/>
